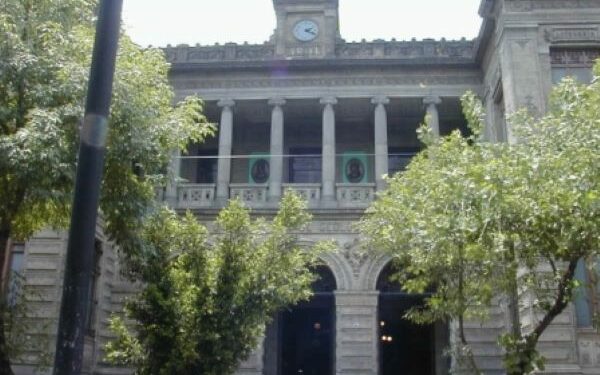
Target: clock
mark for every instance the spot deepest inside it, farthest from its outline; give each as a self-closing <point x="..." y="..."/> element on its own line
<point x="306" y="30"/>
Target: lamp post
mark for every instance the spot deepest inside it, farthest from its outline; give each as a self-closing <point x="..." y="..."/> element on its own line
<point x="80" y="248"/>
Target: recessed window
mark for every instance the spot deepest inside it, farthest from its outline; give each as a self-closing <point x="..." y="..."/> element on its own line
<point x="573" y="62"/>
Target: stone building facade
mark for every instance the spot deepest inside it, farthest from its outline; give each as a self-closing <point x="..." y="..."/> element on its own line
<point x="311" y="112"/>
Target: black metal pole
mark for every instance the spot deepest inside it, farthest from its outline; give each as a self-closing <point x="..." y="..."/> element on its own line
<point x="80" y="250"/>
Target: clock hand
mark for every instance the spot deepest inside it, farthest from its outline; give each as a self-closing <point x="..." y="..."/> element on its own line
<point x="310" y="31"/>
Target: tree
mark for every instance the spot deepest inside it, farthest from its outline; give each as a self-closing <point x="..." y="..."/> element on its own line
<point x="479" y="221"/>
<point x="205" y="301"/>
<point x="45" y="53"/>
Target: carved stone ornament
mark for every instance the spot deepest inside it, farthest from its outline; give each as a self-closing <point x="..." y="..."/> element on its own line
<point x="566" y="35"/>
<point x="353" y="253"/>
<point x="529" y="5"/>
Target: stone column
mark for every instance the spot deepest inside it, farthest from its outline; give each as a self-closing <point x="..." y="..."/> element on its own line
<point x="381" y="141"/>
<point x="328" y="152"/>
<point x="175" y="173"/>
<point x="432" y="112"/>
<point x="225" y="142"/>
<point x="356" y="332"/>
<point x="276" y="163"/>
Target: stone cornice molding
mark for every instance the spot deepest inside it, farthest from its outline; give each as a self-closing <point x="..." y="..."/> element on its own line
<point x="329" y="82"/>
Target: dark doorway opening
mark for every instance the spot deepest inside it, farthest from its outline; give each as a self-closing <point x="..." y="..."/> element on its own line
<point x="305" y="333"/>
<point x="407" y="348"/>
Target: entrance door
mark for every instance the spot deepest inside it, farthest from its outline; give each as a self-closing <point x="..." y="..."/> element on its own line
<point x="406" y="348"/>
<point x="301" y="339"/>
<point x="307" y="338"/>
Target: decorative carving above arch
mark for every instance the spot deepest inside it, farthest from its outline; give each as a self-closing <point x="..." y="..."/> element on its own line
<point x="355" y="256"/>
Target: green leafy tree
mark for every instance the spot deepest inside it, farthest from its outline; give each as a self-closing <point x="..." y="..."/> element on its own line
<point x="206" y="300"/>
<point x="480" y="221"/>
<point x="45" y="52"/>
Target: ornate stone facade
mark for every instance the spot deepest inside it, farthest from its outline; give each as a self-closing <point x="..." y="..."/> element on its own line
<point x="287" y="100"/>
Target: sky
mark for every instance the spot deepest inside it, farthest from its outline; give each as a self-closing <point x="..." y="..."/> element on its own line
<point x="206" y="22"/>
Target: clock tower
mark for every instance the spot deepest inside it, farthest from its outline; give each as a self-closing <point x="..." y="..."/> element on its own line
<point x="306" y="28"/>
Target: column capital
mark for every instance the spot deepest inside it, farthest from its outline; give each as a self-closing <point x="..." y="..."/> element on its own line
<point x="383" y="100"/>
<point x="276" y="102"/>
<point x="332" y="100"/>
<point x="432" y="100"/>
<point x="226" y="103"/>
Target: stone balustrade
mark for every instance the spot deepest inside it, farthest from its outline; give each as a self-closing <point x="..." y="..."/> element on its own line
<point x="309" y="192"/>
<point x="378" y="49"/>
<point x="252" y="195"/>
<point x="355" y="195"/>
<point x="195" y="195"/>
<point x="348" y="195"/>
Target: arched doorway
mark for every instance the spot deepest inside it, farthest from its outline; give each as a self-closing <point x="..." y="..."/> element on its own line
<point x="301" y="340"/>
<point x="406" y="348"/>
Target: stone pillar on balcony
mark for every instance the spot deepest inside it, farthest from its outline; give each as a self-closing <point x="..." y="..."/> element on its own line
<point x="431" y="103"/>
<point x="381" y="141"/>
<point x="276" y="163"/>
<point x="328" y="151"/>
<point x="225" y="142"/>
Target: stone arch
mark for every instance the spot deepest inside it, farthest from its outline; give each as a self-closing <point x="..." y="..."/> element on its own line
<point x="373" y="269"/>
<point x="343" y="276"/>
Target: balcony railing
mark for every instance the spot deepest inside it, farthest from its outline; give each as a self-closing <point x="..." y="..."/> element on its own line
<point x="251" y="176"/>
<point x="253" y="195"/>
<point x="355" y="195"/>
<point x="309" y="192"/>
<point x="195" y="195"/>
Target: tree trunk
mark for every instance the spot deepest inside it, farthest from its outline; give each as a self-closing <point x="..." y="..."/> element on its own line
<point x="527" y="350"/>
<point x="4" y="359"/>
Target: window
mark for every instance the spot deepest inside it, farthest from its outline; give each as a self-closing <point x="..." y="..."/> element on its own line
<point x="92" y="301"/>
<point x="206" y="172"/>
<point x="574" y="62"/>
<point x="305" y="165"/>
<point x="15" y="276"/>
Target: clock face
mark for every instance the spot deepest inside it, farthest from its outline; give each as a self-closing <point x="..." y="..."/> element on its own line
<point x="306" y="30"/>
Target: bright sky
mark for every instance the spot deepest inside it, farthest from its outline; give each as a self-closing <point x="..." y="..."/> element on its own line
<point x="158" y="22"/>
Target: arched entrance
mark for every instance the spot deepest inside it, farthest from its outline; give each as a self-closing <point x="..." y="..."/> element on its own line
<point x="406" y="348"/>
<point x="301" y="340"/>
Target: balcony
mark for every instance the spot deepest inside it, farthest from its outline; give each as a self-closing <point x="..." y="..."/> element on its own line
<point x="251" y="181"/>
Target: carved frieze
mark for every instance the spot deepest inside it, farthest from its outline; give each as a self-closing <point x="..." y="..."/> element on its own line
<point x="330" y="227"/>
<point x="566" y="35"/>
<point x="529" y="5"/>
